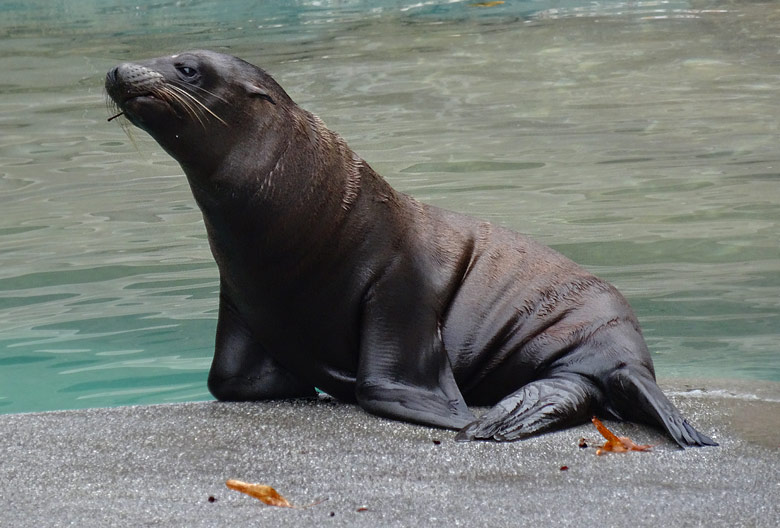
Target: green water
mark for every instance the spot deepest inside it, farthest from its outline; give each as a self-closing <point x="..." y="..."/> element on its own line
<point x="639" y="138"/>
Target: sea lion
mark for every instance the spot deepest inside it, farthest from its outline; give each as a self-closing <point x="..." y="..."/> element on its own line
<point x="330" y="278"/>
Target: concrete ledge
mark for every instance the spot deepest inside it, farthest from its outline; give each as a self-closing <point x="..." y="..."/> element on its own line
<point x="158" y="466"/>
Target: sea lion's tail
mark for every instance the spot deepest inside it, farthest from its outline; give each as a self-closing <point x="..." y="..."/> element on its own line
<point x="548" y="404"/>
<point x="633" y="395"/>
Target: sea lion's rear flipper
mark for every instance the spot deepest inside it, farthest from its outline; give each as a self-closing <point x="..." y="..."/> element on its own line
<point x="542" y="405"/>
<point x="634" y="395"/>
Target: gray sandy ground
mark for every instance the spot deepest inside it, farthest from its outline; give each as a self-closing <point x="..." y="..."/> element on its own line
<point x="158" y="466"/>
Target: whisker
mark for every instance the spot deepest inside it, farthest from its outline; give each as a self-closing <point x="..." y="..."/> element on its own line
<point x="115" y="111"/>
<point x="174" y="95"/>
<point x="112" y="108"/>
<point x="200" y="103"/>
<point x="192" y="86"/>
<point x="183" y="99"/>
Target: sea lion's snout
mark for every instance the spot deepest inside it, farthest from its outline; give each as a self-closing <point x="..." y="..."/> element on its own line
<point x="129" y="80"/>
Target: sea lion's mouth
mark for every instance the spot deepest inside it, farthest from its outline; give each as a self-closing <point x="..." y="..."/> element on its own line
<point x="122" y="105"/>
<point x="140" y="99"/>
<point x="131" y="105"/>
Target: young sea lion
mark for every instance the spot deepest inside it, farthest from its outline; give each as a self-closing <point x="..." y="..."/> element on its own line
<point x="330" y="278"/>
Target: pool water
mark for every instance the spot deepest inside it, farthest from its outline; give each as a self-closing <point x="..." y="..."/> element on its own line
<point x="638" y="138"/>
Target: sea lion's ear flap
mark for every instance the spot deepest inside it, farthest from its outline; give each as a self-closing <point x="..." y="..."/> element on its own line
<point x="256" y="91"/>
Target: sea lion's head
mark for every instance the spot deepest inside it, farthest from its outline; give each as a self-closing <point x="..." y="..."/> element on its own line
<point x="194" y="103"/>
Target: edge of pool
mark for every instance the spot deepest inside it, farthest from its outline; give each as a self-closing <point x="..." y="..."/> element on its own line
<point x="165" y="465"/>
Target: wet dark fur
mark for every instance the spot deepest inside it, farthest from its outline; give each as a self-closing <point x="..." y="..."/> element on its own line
<point x="332" y="279"/>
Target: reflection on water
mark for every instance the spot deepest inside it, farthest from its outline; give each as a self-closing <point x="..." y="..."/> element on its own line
<point x="638" y="138"/>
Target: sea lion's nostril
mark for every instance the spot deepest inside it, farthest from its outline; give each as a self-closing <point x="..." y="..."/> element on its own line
<point x="111" y="75"/>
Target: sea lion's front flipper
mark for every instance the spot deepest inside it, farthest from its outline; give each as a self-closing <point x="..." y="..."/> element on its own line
<point x="634" y="395"/>
<point x="539" y="406"/>
<point x="242" y="370"/>
<point x="404" y="372"/>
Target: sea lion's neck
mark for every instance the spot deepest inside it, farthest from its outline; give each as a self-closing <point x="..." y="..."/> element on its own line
<point x="278" y="187"/>
<point x="340" y="172"/>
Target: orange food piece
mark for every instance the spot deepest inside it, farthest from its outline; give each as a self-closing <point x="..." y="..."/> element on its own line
<point x="614" y="443"/>
<point x="264" y="493"/>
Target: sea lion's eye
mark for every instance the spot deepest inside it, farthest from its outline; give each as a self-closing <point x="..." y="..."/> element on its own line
<point x="187" y="71"/>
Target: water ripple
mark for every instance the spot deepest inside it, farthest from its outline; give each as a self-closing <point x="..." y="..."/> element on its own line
<point x="645" y="149"/>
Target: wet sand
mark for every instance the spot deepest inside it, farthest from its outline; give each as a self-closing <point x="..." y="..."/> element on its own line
<point x="165" y="465"/>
